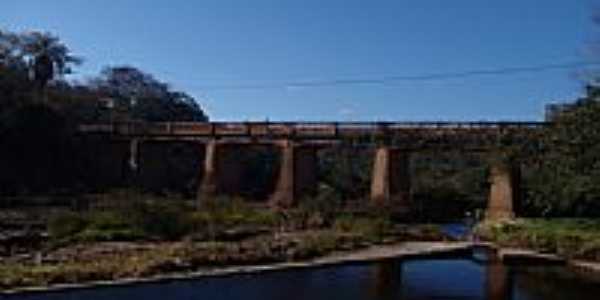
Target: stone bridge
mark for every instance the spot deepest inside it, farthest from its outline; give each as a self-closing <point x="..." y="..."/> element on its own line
<point x="299" y="141"/>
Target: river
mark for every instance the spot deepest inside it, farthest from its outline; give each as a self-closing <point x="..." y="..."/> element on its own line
<point x="458" y="278"/>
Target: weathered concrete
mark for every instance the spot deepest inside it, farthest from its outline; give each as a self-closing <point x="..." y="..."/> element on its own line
<point x="207" y="189"/>
<point x="380" y="187"/>
<point x="503" y="191"/>
<point x="521" y="257"/>
<point x="390" y="185"/>
<point x="296" y="176"/>
<point x="133" y="161"/>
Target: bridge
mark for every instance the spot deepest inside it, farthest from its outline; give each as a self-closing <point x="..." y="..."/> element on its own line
<point x="298" y="142"/>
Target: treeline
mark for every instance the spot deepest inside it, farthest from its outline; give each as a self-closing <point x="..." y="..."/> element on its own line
<point x="562" y="170"/>
<point x="40" y="109"/>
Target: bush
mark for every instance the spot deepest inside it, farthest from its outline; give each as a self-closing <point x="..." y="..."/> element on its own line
<point x="371" y="229"/>
<point x="572" y="238"/>
<point x="316" y="244"/>
<point x="162" y="220"/>
<point x="66" y="225"/>
<point x="148" y="220"/>
<point x="109" y="235"/>
<point x="228" y="212"/>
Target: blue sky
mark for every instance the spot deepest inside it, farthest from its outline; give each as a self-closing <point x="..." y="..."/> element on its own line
<point x="198" y="45"/>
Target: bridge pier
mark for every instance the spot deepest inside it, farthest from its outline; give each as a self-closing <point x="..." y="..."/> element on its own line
<point x="504" y="189"/>
<point x="390" y="184"/>
<point x="133" y="161"/>
<point x="296" y="176"/>
<point x="207" y="189"/>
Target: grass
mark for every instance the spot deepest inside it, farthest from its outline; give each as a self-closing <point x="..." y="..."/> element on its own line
<point x="154" y="220"/>
<point x="177" y="257"/>
<point x="370" y="229"/>
<point x="170" y="236"/>
<point x="570" y="238"/>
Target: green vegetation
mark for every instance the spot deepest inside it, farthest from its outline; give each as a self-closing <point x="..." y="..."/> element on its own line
<point x="562" y="177"/>
<point x="154" y="219"/>
<point x="38" y="106"/>
<point x="226" y="233"/>
<point x="571" y="238"/>
<point x="370" y="229"/>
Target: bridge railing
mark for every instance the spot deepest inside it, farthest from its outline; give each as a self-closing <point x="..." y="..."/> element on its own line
<point x="297" y="129"/>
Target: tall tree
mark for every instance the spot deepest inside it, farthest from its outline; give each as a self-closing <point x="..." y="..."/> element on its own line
<point x="564" y="172"/>
<point x="140" y="96"/>
<point x="47" y="57"/>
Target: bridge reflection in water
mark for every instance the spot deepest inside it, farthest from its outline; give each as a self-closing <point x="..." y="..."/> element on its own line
<point x="441" y="279"/>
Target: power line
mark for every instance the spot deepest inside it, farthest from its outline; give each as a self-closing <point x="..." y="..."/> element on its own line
<point x="393" y="79"/>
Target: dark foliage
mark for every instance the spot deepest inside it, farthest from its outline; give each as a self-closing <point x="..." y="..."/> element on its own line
<point x="41" y="151"/>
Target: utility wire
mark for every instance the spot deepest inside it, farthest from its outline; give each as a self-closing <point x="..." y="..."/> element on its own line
<point x="393" y="79"/>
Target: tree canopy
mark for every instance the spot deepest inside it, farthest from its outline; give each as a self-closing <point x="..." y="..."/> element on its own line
<point x="143" y="97"/>
<point x="31" y="60"/>
<point x="564" y="172"/>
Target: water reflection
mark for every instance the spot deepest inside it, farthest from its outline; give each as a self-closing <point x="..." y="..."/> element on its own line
<point x="393" y="279"/>
<point x="386" y="278"/>
<point x="498" y="280"/>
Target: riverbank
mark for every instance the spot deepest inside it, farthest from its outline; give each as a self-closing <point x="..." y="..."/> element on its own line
<point x="115" y="261"/>
<point x="571" y="242"/>
<point x="366" y="255"/>
<point x="572" y="239"/>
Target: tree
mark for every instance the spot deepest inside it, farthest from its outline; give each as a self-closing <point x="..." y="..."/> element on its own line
<point x="11" y="54"/>
<point x="46" y="57"/>
<point x="140" y="96"/>
<point x="564" y="173"/>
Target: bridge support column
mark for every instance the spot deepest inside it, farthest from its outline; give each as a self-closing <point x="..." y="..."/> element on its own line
<point x="133" y="162"/>
<point x="504" y="189"/>
<point x="296" y="176"/>
<point x="390" y="184"/>
<point x="207" y="189"/>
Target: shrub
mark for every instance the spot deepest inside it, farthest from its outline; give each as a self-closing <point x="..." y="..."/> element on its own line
<point x="106" y="235"/>
<point x="370" y="229"/>
<point x="66" y="225"/>
<point x="572" y="238"/>
<point x="162" y="220"/>
<point x="227" y="212"/>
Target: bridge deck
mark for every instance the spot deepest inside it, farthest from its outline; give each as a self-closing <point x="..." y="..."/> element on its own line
<point x="304" y="130"/>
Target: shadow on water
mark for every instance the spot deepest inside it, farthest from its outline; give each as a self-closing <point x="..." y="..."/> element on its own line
<point x="418" y="279"/>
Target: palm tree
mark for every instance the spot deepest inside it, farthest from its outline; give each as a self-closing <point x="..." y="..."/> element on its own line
<point x="47" y="57"/>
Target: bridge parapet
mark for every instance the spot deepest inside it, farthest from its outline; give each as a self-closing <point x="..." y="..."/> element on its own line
<point x="408" y="135"/>
<point x="299" y="129"/>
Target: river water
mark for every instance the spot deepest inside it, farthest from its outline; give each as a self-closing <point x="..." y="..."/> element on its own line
<point x="395" y="279"/>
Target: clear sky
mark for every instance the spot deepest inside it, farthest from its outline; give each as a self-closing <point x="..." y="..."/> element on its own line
<point x="197" y="45"/>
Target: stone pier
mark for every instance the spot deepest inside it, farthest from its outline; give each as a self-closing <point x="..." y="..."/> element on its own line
<point x="390" y="184"/>
<point x="134" y="155"/>
<point x="207" y="189"/>
<point x="296" y="176"/>
<point x="504" y="189"/>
